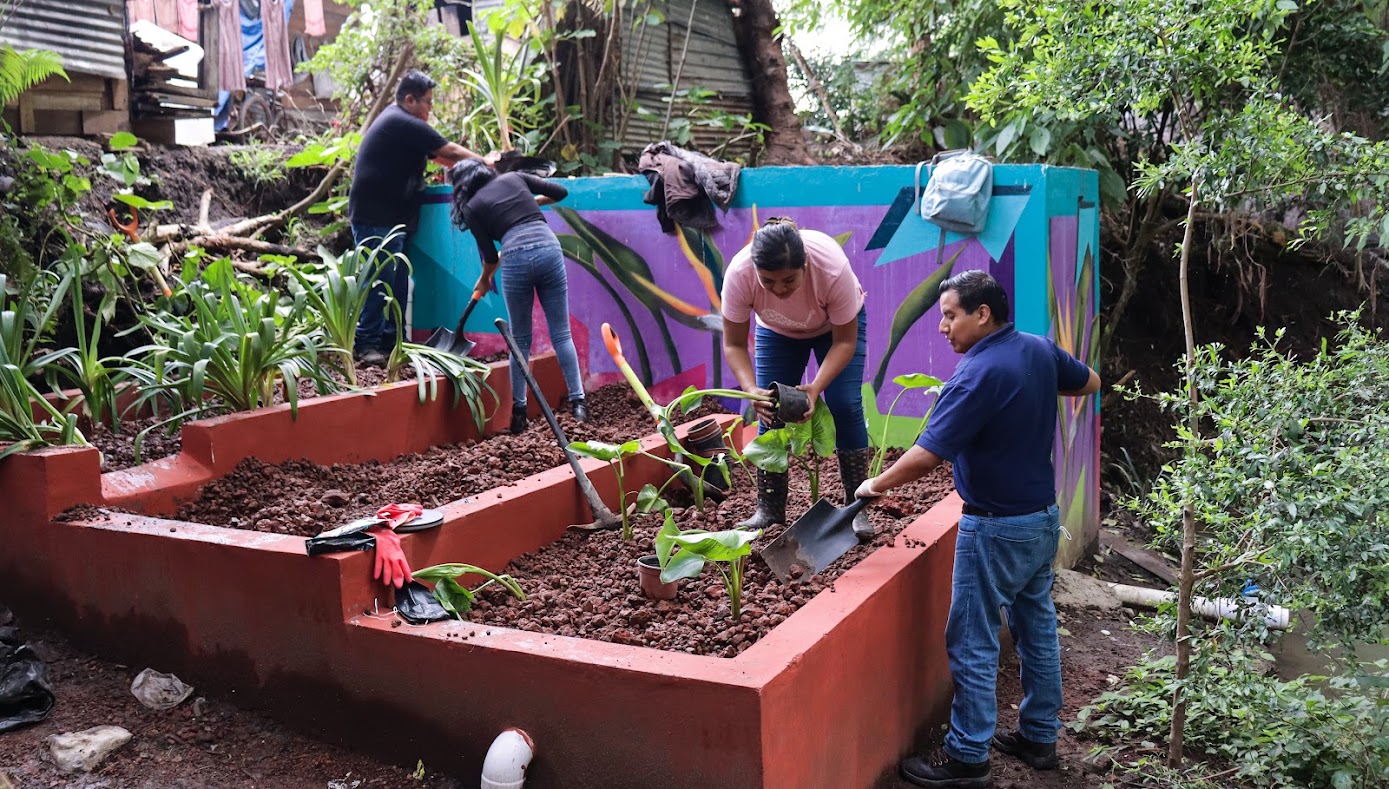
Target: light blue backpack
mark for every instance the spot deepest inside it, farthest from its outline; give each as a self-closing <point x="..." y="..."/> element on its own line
<point x="957" y="193"/>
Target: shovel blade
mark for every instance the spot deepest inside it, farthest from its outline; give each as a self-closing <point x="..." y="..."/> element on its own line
<point x="441" y="340"/>
<point x="462" y="346"/>
<point x="813" y="542"/>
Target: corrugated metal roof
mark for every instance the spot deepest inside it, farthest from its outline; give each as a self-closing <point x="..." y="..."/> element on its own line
<point x="87" y="33"/>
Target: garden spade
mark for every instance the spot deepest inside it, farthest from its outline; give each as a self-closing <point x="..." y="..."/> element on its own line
<point x="604" y="517"/>
<point x="814" y="541"/>
<point x="455" y="342"/>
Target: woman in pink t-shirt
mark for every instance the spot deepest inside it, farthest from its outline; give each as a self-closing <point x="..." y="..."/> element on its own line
<point x="806" y="299"/>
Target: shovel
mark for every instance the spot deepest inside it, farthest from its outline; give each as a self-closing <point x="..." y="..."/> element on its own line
<point x="605" y="519"/>
<point x="455" y="342"/>
<point x="814" y="541"/>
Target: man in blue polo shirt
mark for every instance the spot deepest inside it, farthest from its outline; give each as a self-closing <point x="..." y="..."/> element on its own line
<point x="994" y="421"/>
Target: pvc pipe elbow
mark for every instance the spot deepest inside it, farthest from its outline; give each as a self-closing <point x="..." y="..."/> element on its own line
<point x="507" y="760"/>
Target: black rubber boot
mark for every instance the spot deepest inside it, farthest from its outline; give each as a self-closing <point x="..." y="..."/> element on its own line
<point x="579" y="408"/>
<point x="518" y="419"/>
<point x="1037" y="755"/>
<point x="853" y="470"/>
<point x="771" y="501"/>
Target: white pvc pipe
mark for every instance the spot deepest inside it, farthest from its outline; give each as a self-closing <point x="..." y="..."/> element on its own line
<point x="507" y="760"/>
<point x="1275" y="616"/>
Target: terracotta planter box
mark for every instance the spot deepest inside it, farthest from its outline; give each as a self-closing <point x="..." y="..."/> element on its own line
<point x="830" y="698"/>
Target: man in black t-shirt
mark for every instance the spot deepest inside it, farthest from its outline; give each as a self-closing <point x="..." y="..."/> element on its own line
<point x="386" y="184"/>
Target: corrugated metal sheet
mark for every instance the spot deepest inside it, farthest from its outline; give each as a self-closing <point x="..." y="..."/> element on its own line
<point x="87" y="33"/>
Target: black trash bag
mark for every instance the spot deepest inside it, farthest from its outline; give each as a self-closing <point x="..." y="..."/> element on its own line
<point x="26" y="697"/>
<point x="416" y="604"/>
<point x="349" y="537"/>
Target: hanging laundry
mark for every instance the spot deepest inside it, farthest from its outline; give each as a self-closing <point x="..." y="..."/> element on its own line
<point x="685" y="186"/>
<point x="313" y="18"/>
<point x="166" y="15"/>
<point x="188" y="19"/>
<point x="140" y="10"/>
<point x="279" y="71"/>
<point x="229" y="66"/>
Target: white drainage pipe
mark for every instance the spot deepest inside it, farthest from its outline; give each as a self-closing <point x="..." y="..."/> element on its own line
<point x="507" y="760"/>
<point x="1275" y="616"/>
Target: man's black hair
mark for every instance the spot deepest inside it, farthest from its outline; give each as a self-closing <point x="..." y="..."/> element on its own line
<point x="416" y="83"/>
<point x="974" y="288"/>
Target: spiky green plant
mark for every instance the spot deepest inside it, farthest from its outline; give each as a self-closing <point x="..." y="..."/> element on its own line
<point x="19" y="430"/>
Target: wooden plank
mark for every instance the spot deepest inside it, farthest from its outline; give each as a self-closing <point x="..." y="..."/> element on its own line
<point x="156" y="130"/>
<point x="1143" y="557"/>
<point x="105" y="122"/>
<point x="120" y="95"/>
<point x="67" y="101"/>
<point x="27" y="122"/>
<point x="65" y="122"/>
<point x="164" y="97"/>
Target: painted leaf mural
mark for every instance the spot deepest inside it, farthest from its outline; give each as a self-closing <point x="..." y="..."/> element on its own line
<point x="917" y="303"/>
<point x="579" y="251"/>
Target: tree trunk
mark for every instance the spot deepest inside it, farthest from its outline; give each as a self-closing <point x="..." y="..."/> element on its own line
<point x="756" y="26"/>
<point x="1186" y="579"/>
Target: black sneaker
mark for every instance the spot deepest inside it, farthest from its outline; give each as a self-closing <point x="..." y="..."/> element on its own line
<point x="1037" y="755"/>
<point x="579" y="408"/>
<point x="941" y="770"/>
<point x="518" y="419"/>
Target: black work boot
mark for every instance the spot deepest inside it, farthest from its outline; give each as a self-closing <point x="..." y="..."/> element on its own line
<point x="579" y="408"/>
<point x="1037" y="755"/>
<point x="943" y="771"/>
<point x="853" y="470"/>
<point x="771" y="501"/>
<point x="518" y="418"/>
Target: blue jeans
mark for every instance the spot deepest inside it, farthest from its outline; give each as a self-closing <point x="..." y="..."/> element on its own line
<point x="1003" y="563"/>
<point x="376" y="327"/>
<point x="533" y="265"/>
<point x="783" y="359"/>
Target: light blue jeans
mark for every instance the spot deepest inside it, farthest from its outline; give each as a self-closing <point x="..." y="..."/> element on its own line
<point x="533" y="266"/>
<point x="1003" y="563"/>
<point x="376" y="328"/>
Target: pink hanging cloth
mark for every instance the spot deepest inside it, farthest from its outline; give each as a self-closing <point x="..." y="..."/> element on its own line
<point x="140" y="10"/>
<point x="166" y="14"/>
<point x="279" y="71"/>
<point x="313" y="18"/>
<point x="229" y="66"/>
<point x="188" y="19"/>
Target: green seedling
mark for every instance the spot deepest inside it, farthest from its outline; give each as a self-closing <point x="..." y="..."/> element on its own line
<point x="683" y="554"/>
<point x="613" y="453"/>
<point x="456" y="598"/>
<point x="808" y="442"/>
<point x="908" y="382"/>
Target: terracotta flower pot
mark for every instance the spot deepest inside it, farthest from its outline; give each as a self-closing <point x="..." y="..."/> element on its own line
<point x="706" y="440"/>
<point x="649" y="574"/>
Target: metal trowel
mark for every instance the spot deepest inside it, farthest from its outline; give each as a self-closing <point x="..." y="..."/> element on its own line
<point x="814" y="541"/>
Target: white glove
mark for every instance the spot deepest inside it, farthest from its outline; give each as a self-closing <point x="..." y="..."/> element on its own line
<point x="866" y="491"/>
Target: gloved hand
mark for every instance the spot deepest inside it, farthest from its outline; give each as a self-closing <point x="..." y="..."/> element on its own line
<point x="397" y="515"/>
<point x="866" y="491"/>
<point x="391" y="567"/>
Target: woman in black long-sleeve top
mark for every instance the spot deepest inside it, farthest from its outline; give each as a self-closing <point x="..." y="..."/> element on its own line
<point x="506" y="208"/>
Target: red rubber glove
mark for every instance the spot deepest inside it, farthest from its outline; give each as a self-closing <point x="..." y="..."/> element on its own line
<point x="391" y="567"/>
<point x="397" y="515"/>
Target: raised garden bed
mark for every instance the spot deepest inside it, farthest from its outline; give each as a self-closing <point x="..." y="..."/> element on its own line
<point x="860" y="664"/>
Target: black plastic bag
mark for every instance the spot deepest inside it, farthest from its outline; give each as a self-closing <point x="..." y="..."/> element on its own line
<point x="26" y="697"/>
<point x="416" y="604"/>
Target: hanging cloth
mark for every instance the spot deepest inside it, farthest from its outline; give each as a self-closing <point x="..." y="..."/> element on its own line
<point x="140" y="10"/>
<point x="279" y="71"/>
<point x="166" y="15"/>
<point x="230" y="69"/>
<point x="188" y="20"/>
<point x="313" y="18"/>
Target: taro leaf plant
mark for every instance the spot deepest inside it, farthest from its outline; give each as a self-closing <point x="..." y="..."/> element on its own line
<point x="683" y="554"/>
<point x="808" y="442"/>
<point x="613" y="453"/>
<point x="456" y="598"/>
<point x="908" y="382"/>
<point x="665" y="418"/>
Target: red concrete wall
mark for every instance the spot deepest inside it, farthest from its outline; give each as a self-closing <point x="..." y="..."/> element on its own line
<point x="832" y="697"/>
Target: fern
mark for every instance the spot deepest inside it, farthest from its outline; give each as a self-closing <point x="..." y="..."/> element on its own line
<point x="22" y="70"/>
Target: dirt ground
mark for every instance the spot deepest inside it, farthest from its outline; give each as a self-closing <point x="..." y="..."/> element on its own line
<point x="215" y="744"/>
